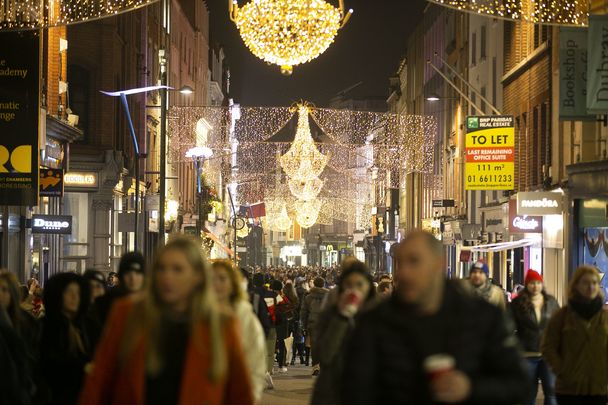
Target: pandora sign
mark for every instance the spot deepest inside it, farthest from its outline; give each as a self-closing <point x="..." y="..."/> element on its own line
<point x="539" y="203"/>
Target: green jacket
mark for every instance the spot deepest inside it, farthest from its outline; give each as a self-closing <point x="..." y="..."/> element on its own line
<point x="577" y="351"/>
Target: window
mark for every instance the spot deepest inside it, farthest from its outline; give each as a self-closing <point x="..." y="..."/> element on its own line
<point x="80" y="83"/>
<point x="474" y="49"/>
<point x="483" y="42"/>
<point x="484" y="104"/>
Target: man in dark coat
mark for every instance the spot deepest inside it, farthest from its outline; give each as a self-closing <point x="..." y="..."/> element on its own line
<point x="131" y="275"/>
<point x="428" y="316"/>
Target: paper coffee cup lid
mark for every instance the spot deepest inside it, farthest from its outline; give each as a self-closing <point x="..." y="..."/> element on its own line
<point x="439" y="362"/>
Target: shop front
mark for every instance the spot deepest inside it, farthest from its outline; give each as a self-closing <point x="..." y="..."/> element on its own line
<point x="494" y="229"/>
<point x="94" y="198"/>
<point x="587" y="195"/>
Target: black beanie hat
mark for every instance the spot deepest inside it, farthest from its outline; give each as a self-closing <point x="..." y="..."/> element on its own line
<point x="132" y="261"/>
<point x="92" y="274"/>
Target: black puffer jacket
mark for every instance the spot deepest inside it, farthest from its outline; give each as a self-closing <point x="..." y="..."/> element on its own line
<point x="390" y="343"/>
<point x="528" y="330"/>
<point x="62" y="368"/>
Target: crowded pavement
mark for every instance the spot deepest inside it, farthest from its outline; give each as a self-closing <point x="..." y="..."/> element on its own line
<point x="303" y="202"/>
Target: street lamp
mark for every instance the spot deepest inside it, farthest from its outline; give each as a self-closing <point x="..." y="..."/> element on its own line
<point x="198" y="154"/>
<point x="123" y="98"/>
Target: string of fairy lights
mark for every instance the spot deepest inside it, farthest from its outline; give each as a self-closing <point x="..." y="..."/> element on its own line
<point x="557" y="12"/>
<point x="308" y="165"/>
<point x="36" y="14"/>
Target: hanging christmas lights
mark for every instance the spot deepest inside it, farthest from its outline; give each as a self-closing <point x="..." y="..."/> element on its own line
<point x="32" y="14"/>
<point x="288" y="32"/>
<point x="303" y="162"/>
<point x="555" y="12"/>
<point x="307" y="212"/>
<point x="358" y="150"/>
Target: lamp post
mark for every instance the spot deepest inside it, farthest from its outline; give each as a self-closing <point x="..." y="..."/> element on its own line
<point x="123" y="98"/>
<point x="198" y="155"/>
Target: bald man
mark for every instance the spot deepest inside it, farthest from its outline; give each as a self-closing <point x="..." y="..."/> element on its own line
<point x="428" y="316"/>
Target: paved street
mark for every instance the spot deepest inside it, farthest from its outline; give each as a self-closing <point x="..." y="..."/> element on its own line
<point x="292" y="388"/>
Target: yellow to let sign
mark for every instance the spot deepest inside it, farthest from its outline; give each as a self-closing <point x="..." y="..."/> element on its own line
<point x="490" y="153"/>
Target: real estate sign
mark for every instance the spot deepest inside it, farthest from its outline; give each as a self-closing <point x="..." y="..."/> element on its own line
<point x="490" y="150"/>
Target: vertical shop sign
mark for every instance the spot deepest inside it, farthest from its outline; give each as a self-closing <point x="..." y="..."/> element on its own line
<point x="573" y="74"/>
<point x="490" y="148"/>
<point x="19" y="115"/>
<point x="597" y="66"/>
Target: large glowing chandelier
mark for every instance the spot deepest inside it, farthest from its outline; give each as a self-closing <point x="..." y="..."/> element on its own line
<point x="36" y="14"/>
<point x="288" y="32"/>
<point x="556" y="12"/>
<point x="307" y="212"/>
<point x="282" y="222"/>
<point x="303" y="161"/>
<point x="305" y="190"/>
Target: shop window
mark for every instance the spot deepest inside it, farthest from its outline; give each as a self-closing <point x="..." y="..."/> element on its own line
<point x="76" y="246"/>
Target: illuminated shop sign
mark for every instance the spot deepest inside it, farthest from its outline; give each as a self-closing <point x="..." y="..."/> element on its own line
<point x="537" y="203"/>
<point x="52" y="224"/>
<point x="523" y="223"/>
<point x="80" y="179"/>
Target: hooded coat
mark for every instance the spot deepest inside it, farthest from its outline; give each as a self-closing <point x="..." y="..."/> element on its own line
<point x="61" y="366"/>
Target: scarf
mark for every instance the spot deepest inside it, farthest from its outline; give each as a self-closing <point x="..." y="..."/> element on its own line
<point x="484" y="291"/>
<point x="586" y="309"/>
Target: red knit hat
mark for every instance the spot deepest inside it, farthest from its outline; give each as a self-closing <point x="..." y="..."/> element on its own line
<point x="532" y="275"/>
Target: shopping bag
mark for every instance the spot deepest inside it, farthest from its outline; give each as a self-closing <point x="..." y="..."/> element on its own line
<point x="289" y="346"/>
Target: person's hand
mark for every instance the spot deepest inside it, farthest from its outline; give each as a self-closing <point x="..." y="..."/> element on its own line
<point x="451" y="387"/>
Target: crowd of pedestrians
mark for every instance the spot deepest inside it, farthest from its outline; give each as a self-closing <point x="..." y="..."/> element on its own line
<point x="184" y="330"/>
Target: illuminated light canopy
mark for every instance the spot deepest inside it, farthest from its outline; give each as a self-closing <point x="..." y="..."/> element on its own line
<point x="288" y="32"/>
<point x="555" y="12"/>
<point x="32" y="14"/>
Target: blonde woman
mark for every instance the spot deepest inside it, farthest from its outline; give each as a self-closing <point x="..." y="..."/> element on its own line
<point x="576" y="342"/>
<point x="171" y="345"/>
<point x="227" y="282"/>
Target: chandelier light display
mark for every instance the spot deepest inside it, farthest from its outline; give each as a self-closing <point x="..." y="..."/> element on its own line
<point x="303" y="161"/>
<point x="325" y="181"/>
<point x="307" y="212"/>
<point x="305" y="190"/>
<point x="36" y="14"/>
<point x="557" y="12"/>
<point x="288" y="32"/>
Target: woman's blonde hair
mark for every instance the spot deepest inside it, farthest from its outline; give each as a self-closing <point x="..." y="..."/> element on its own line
<point x="235" y="278"/>
<point x="576" y="277"/>
<point x="145" y="319"/>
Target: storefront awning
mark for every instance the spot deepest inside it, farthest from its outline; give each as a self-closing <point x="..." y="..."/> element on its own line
<point x="220" y="243"/>
<point x="499" y="247"/>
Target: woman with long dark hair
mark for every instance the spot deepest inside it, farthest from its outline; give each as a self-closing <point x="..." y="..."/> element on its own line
<point x="355" y="291"/>
<point x="65" y="347"/>
<point x="576" y="342"/>
<point x="532" y="310"/>
<point x="171" y="345"/>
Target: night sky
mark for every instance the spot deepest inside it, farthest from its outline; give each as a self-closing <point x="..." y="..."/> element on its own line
<point x="368" y="49"/>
